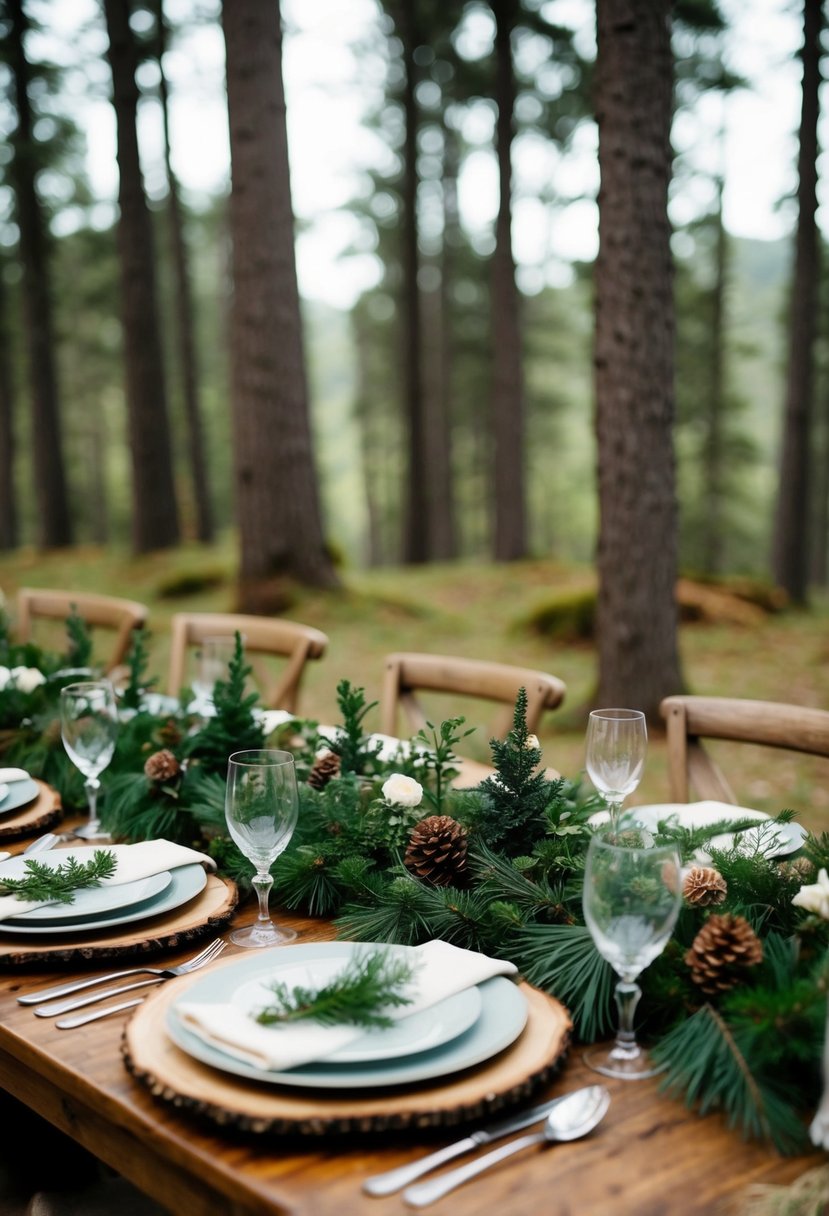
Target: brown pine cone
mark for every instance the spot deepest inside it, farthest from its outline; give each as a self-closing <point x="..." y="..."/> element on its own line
<point x="325" y="767"/>
<point x="170" y="734"/>
<point x="721" y="952"/>
<point x="436" y="851"/>
<point x="162" y="766"/>
<point x="704" y="885"/>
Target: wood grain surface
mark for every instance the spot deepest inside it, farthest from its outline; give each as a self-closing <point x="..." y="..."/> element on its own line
<point x="649" y="1157"/>
<point x="37" y="816"/>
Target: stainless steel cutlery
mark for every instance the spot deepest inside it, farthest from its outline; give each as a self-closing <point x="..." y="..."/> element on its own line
<point x="82" y="1018"/>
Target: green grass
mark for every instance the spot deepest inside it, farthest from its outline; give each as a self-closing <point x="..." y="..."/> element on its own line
<point x="477" y="610"/>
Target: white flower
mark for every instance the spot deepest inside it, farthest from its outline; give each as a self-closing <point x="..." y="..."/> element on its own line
<point x="402" y="790"/>
<point x="5" y="676"/>
<point x="815" y="898"/>
<point x="532" y="741"/>
<point x="26" y="678"/>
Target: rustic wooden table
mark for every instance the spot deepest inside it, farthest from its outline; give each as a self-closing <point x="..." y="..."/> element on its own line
<point x="650" y="1156"/>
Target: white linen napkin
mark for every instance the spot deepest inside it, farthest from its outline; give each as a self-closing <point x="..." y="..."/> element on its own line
<point x="12" y="774"/>
<point x="134" y="861"/>
<point x="441" y="971"/>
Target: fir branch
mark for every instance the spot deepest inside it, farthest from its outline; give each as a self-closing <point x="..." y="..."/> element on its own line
<point x="48" y="884"/>
<point x="137" y="661"/>
<point x="79" y="649"/>
<point x="233" y="726"/>
<point x="351" y="743"/>
<point x="356" y="996"/>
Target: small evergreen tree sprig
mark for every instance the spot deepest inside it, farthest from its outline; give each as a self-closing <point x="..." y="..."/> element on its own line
<point x="58" y="884"/>
<point x="351" y="743"/>
<point x="371" y="982"/>
<point x="137" y="661"/>
<point x="436" y="760"/>
<point x="233" y="727"/>
<point x="511" y="815"/>
<point x="79" y="648"/>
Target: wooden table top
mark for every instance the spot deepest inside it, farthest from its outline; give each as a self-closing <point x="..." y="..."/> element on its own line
<point x="650" y="1156"/>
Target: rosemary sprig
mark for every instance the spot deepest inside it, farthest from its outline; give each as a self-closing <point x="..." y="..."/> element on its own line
<point x="43" y="884"/>
<point x="368" y="983"/>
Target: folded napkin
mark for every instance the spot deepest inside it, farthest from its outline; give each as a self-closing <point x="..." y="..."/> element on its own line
<point x="441" y="971"/>
<point x="135" y="861"/>
<point x="12" y="774"/>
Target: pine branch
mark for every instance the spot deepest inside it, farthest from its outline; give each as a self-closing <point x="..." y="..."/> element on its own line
<point x="47" y="884"/>
<point x="137" y="661"/>
<point x="357" y="996"/>
<point x="233" y="727"/>
<point x="563" y="960"/>
<point x="79" y="650"/>
<point x="351" y="743"/>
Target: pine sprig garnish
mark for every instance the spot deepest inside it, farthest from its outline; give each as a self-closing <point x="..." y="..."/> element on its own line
<point x="368" y="984"/>
<point x="44" y="884"/>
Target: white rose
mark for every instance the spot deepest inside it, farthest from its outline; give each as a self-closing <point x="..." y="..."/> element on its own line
<point x="532" y="741"/>
<point x="27" y="678"/>
<point x="5" y="676"/>
<point x="815" y="898"/>
<point x="402" y="790"/>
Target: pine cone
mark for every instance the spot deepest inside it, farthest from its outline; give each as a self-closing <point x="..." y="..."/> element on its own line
<point x="801" y="868"/>
<point x="703" y="886"/>
<point x="170" y="734"/>
<point x="325" y="767"/>
<point x="721" y="952"/>
<point x="162" y="766"/>
<point x="437" y="851"/>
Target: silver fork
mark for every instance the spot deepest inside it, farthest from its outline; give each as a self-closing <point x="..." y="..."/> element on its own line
<point x="159" y="973"/>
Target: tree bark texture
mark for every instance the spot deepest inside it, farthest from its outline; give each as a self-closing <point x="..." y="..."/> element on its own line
<point x="790" y="557"/>
<point x="185" y="319"/>
<point x="278" y="507"/>
<point x="9" y="537"/>
<point x="508" y="424"/>
<point x="713" y="470"/>
<point x="54" y="521"/>
<point x="155" y="523"/>
<point x="634" y="359"/>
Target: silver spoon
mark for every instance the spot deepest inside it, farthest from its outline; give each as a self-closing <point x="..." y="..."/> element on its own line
<point x="575" y="1116"/>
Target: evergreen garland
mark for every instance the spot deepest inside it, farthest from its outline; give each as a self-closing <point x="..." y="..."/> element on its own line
<point x="137" y="684"/>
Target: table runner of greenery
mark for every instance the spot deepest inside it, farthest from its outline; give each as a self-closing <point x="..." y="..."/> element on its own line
<point x="738" y="1029"/>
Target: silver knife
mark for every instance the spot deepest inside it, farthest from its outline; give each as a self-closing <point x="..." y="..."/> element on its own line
<point x="395" y="1180"/>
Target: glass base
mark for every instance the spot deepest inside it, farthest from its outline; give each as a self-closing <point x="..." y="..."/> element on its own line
<point x="93" y="831"/>
<point x="259" y="935"/>
<point x="624" y="1063"/>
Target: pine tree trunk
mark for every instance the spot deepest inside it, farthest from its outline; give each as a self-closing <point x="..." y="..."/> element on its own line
<point x="155" y="522"/>
<point x="54" y="522"/>
<point x="185" y="319"/>
<point x="713" y="456"/>
<point x="790" y="557"/>
<point x="508" y="424"/>
<point x="9" y="537"/>
<point x="634" y="359"/>
<point x="820" y="534"/>
<point x="278" y="507"/>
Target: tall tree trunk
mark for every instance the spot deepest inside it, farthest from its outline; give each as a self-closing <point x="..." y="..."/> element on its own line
<point x="634" y="359"/>
<point x="508" y="424"/>
<point x="415" y="526"/>
<point x="54" y="523"/>
<point x="277" y="498"/>
<point x="713" y="469"/>
<point x="155" y="522"/>
<point x="790" y="557"/>
<point x="9" y="537"/>
<point x="185" y="320"/>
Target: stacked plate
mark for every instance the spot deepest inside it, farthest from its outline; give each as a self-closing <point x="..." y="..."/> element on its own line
<point x="101" y="907"/>
<point x="768" y="837"/>
<point x="15" y="795"/>
<point x="461" y="1031"/>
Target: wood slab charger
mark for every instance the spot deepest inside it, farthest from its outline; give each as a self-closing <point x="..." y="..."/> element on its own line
<point x="234" y="1102"/>
<point x="206" y="913"/>
<point x="42" y="813"/>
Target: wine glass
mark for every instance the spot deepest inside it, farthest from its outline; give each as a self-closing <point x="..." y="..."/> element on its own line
<point x="631" y="899"/>
<point x="88" y="726"/>
<point x="213" y="657"/>
<point x="617" y="740"/>
<point x="261" y="806"/>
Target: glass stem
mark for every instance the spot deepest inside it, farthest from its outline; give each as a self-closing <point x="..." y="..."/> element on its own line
<point x="627" y="998"/>
<point x="615" y="811"/>
<point x="262" y="884"/>
<point x="91" y="786"/>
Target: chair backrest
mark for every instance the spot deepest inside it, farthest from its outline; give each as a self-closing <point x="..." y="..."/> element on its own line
<point x="98" y="611"/>
<point x="498" y="682"/>
<point x="689" y="719"/>
<point x="262" y="636"/>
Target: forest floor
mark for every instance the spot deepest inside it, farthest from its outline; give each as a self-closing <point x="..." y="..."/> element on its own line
<point x="481" y="611"/>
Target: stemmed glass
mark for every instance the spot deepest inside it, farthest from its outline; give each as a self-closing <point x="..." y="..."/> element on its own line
<point x="261" y="806"/>
<point x="631" y="899"/>
<point x="89" y="726"/>
<point x="617" y="740"/>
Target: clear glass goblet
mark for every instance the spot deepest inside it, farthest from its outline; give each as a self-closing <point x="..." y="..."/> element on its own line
<point x="617" y="741"/>
<point x="89" y="728"/>
<point x="261" y="805"/>
<point x="631" y="900"/>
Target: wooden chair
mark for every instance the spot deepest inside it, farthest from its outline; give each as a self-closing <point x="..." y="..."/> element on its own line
<point x="98" y="611"/>
<point x="262" y="636"/>
<point x="791" y="727"/>
<point x="499" y="682"/>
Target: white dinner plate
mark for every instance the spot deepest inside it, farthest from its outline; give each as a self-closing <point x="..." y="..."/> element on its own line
<point x="4" y="793"/>
<point x="502" y="1017"/>
<point x="772" y="839"/>
<point x="95" y="901"/>
<point x="19" y="794"/>
<point x="186" y="882"/>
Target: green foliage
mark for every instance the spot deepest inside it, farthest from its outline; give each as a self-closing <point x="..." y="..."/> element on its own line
<point x="137" y="661"/>
<point x="370" y="982"/>
<point x="57" y="884"/>
<point x="79" y="651"/>
<point x="563" y="959"/>
<point x="567" y="617"/>
<point x="233" y="727"/>
<point x="436" y="761"/>
<point x="351" y="743"/>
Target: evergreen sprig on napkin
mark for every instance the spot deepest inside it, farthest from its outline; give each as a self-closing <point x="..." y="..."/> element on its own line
<point x="44" y="884"/>
<point x="369" y="983"/>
